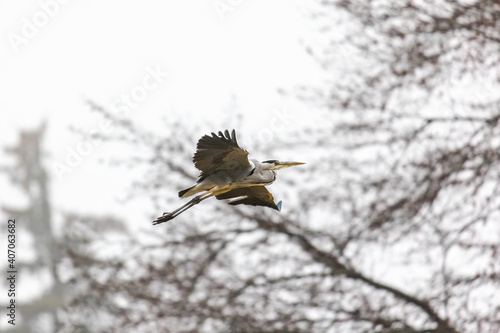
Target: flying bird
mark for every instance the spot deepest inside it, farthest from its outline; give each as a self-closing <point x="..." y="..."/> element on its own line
<point x="227" y="173"/>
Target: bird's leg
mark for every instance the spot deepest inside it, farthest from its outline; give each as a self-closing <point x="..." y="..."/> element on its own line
<point x="167" y="216"/>
<point x="170" y="215"/>
<point x="196" y="200"/>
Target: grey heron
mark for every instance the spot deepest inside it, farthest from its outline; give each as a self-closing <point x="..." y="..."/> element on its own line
<point x="227" y="173"/>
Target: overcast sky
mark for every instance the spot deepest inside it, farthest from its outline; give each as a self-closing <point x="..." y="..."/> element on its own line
<point x="182" y="58"/>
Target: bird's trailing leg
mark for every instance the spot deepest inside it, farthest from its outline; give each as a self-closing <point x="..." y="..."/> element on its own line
<point x="170" y="215"/>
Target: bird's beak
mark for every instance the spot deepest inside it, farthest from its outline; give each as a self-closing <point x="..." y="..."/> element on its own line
<point x="282" y="165"/>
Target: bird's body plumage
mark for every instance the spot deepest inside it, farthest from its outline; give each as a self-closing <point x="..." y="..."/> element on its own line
<point x="227" y="173"/>
<point x="225" y="180"/>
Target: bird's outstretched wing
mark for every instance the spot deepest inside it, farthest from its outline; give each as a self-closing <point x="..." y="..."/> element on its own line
<point x="220" y="152"/>
<point x="254" y="195"/>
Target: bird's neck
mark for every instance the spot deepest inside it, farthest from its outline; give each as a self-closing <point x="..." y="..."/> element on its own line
<point x="268" y="176"/>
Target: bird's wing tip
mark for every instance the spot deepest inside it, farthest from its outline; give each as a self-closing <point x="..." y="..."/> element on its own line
<point x="279" y="205"/>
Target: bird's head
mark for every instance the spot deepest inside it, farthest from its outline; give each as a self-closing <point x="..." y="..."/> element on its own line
<point x="277" y="165"/>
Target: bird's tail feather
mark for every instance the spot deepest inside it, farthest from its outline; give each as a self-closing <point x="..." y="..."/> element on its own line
<point x="190" y="191"/>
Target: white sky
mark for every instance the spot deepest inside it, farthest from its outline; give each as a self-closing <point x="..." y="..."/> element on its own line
<point x="101" y="50"/>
